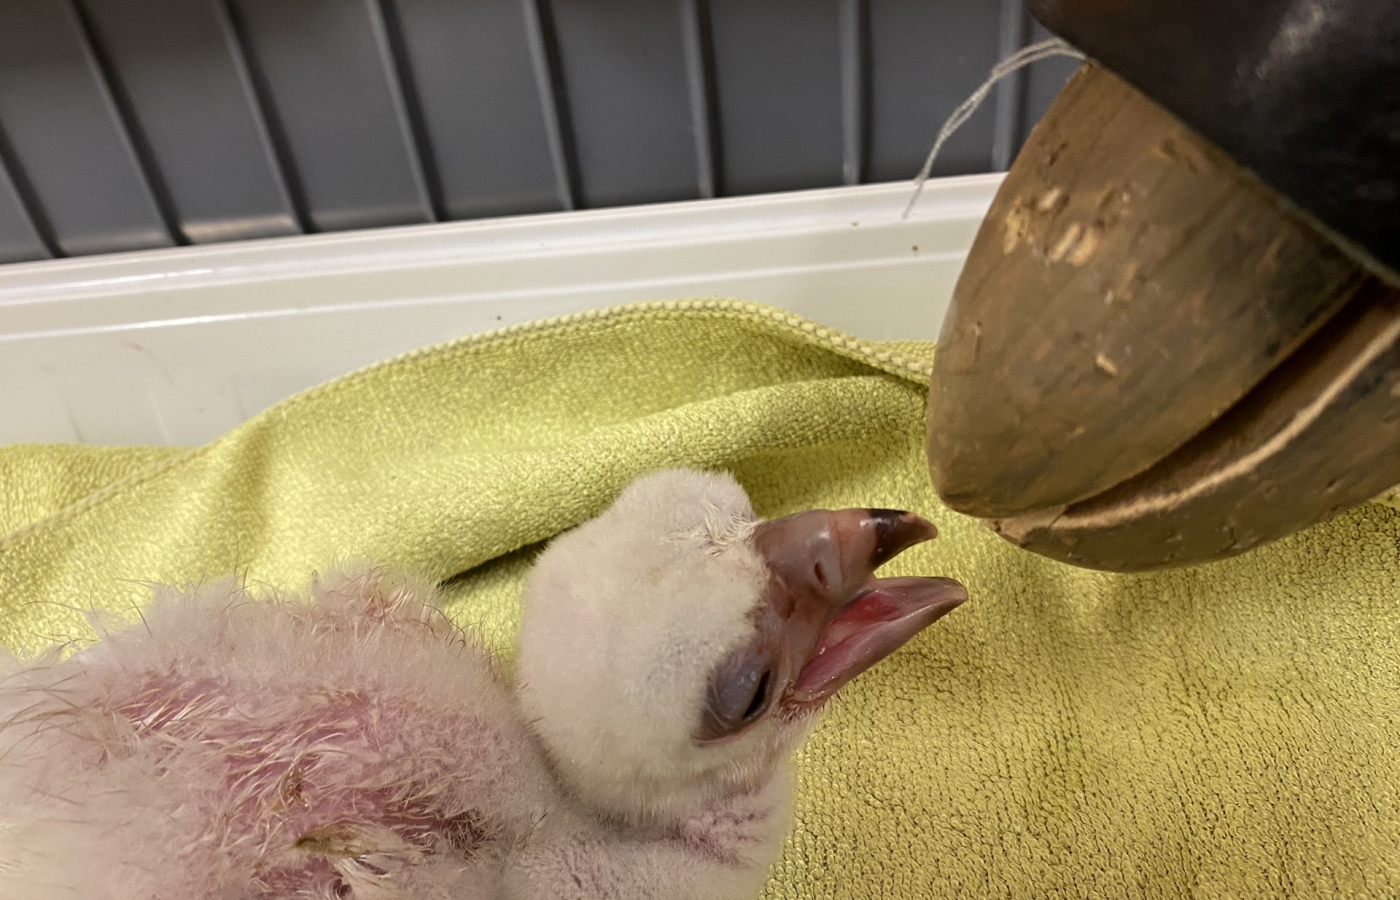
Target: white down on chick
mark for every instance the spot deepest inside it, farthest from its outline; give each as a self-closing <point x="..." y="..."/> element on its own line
<point x="355" y="745"/>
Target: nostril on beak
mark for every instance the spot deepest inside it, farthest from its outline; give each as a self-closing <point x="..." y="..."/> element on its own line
<point x="834" y="552"/>
<point x="896" y="531"/>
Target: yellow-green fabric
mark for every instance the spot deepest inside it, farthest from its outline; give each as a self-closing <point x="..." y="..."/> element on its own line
<point x="1221" y="731"/>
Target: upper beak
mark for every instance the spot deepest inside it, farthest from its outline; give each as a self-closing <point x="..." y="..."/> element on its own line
<point x="836" y="619"/>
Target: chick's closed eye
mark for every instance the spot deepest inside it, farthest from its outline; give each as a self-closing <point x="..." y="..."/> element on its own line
<point x="738" y="693"/>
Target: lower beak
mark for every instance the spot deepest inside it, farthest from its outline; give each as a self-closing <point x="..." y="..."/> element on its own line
<point x="839" y="620"/>
<point x="878" y="622"/>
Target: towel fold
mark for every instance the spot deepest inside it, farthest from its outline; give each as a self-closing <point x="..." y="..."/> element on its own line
<point x="1230" y="730"/>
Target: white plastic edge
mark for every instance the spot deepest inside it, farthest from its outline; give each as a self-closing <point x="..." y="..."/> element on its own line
<point x="176" y="346"/>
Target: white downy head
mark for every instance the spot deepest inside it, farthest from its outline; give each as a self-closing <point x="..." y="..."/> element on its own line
<point x="674" y="649"/>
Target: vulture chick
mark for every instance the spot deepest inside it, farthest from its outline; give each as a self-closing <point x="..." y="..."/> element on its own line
<point x="354" y="745"/>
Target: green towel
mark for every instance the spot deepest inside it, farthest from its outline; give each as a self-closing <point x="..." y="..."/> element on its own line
<point x="1222" y="731"/>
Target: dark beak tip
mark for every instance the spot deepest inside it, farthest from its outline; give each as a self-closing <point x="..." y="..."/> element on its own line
<point x="898" y="530"/>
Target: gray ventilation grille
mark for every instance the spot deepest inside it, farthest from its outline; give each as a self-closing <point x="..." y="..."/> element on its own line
<point x="129" y="124"/>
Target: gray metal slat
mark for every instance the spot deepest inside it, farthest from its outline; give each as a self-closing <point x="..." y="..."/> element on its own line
<point x="145" y="161"/>
<point x="1014" y="22"/>
<point x="404" y="100"/>
<point x="629" y="100"/>
<point x="549" y="87"/>
<point x="182" y="73"/>
<point x="700" y="81"/>
<point x="927" y="58"/>
<point x="20" y="240"/>
<point x="67" y="137"/>
<point x="481" y="106"/>
<point x="329" y="74"/>
<point x="778" y="86"/>
<point x="855" y="89"/>
<point x="385" y="18"/>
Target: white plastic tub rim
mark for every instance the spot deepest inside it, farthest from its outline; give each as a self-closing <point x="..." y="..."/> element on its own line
<point x="176" y="346"/>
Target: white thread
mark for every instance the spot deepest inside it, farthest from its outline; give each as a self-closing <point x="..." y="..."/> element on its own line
<point x="1018" y="60"/>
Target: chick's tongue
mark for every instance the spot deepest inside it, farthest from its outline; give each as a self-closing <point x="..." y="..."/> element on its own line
<point x="871" y="627"/>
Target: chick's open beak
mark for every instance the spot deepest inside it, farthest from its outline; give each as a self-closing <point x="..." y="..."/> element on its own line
<point x="835" y="618"/>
